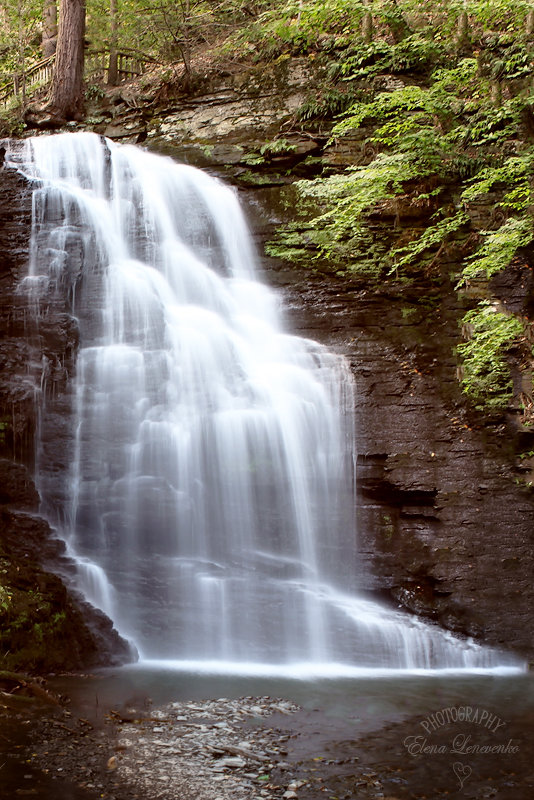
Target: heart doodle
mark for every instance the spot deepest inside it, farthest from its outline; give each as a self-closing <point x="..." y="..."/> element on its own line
<point x="462" y="772"/>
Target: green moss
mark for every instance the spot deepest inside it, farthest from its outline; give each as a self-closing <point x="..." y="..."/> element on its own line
<point x="387" y="527"/>
<point x="30" y="628"/>
<point x="4" y="429"/>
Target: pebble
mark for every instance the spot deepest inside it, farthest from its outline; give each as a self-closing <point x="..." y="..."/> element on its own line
<point x="200" y="746"/>
<point x="232" y="762"/>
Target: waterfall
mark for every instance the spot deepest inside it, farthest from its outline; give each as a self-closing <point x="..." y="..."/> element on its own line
<point x="209" y="499"/>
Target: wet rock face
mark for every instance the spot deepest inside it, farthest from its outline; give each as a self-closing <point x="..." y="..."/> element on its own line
<point x="444" y="527"/>
<point x="17" y="412"/>
<point x="43" y="625"/>
<point x="445" y="520"/>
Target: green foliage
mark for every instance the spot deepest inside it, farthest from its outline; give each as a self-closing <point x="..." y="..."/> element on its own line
<point x="412" y="109"/>
<point x="486" y="375"/>
<point x="267" y="151"/>
<point x="277" y="147"/>
<point x="415" y="53"/>
<point x="325" y="104"/>
<point x="94" y="92"/>
<point x="515" y="174"/>
<point x="290" y="244"/>
<point x="498" y="248"/>
<point x="337" y="232"/>
<point x="449" y="129"/>
<point x="19" y="33"/>
<point x="296" y="27"/>
<point x="489" y="124"/>
<point x="309" y="246"/>
<point x="497" y="15"/>
<point x="510" y="63"/>
<point x="169" y="30"/>
<point x="30" y="624"/>
<point x="385" y="106"/>
<point x="430" y="239"/>
<point x="5" y="599"/>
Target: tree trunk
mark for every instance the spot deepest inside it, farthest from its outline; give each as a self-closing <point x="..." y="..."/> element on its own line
<point x="496" y="93"/>
<point x="395" y="21"/>
<point x="49" y="40"/>
<point x="66" y="100"/>
<point x="529" y="22"/>
<point x="21" y="55"/>
<point x="462" y="28"/>
<point x="367" y="27"/>
<point x="113" y="71"/>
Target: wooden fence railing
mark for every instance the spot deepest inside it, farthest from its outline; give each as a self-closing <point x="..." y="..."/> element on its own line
<point x="25" y="83"/>
<point x="97" y="65"/>
<point x="39" y="75"/>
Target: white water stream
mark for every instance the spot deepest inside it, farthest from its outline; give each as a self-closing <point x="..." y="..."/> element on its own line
<point x="211" y="486"/>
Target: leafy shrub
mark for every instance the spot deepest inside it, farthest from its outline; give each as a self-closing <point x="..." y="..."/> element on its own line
<point x="486" y="374"/>
<point x="498" y="248"/>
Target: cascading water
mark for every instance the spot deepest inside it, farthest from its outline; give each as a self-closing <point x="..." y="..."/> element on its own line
<point x="211" y="497"/>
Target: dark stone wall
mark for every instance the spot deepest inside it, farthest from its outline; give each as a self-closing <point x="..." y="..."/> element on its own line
<point x="44" y="626"/>
<point x="445" y="522"/>
<point x="17" y="384"/>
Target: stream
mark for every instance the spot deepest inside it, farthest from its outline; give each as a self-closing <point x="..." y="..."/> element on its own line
<point x="404" y="736"/>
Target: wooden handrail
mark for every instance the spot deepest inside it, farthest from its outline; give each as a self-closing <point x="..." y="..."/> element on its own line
<point x="39" y="75"/>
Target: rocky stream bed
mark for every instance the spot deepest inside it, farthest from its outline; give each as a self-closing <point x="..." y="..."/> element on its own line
<point x="464" y="738"/>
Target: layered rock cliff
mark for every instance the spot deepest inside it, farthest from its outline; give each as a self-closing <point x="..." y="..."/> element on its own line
<point x="445" y="523"/>
<point x="44" y="625"/>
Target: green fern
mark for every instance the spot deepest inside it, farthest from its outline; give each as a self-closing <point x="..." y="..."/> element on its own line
<point x="431" y="238"/>
<point x="486" y="375"/>
<point x="498" y="249"/>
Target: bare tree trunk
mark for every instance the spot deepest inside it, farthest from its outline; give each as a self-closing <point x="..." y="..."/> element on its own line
<point x="49" y="40"/>
<point x="496" y="93"/>
<point x="462" y="27"/>
<point x="21" y="55"/>
<point x="367" y="27"/>
<point x="113" y="71"/>
<point x="396" y="21"/>
<point x="529" y="22"/>
<point x="66" y="100"/>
